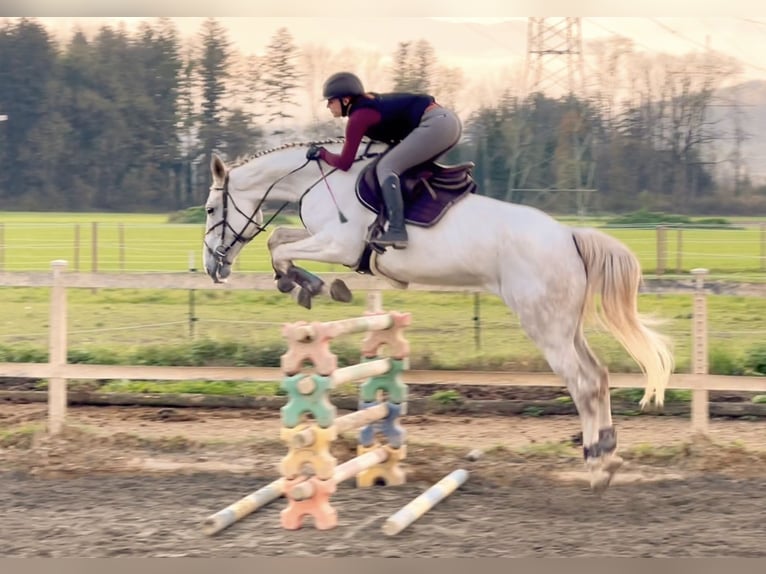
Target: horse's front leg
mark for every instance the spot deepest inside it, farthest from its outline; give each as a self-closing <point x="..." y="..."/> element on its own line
<point x="314" y="248"/>
<point x="283" y="274"/>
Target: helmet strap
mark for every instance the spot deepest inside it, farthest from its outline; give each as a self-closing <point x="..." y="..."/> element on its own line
<point x="344" y="107"/>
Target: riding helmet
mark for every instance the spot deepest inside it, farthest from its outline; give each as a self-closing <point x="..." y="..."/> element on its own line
<point x="342" y="84"/>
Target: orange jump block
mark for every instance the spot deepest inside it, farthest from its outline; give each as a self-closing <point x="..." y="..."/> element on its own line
<point x="318" y="506"/>
<point x="392" y="337"/>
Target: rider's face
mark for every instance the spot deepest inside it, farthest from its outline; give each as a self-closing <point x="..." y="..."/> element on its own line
<point x="333" y="104"/>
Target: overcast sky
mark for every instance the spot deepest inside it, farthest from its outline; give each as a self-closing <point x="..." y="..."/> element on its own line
<point x="490" y="51"/>
<point x="481" y="44"/>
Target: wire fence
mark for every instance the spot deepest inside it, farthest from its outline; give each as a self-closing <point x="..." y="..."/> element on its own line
<point x="116" y="247"/>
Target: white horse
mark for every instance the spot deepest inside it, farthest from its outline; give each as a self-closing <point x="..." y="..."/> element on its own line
<point x="549" y="274"/>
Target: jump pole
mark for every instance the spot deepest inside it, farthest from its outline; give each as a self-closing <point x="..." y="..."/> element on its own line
<point x="244" y="506"/>
<point x="305" y="438"/>
<point x="343" y="472"/>
<point x="425" y="502"/>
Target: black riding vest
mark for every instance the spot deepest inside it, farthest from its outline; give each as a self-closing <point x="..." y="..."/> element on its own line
<point x="400" y="112"/>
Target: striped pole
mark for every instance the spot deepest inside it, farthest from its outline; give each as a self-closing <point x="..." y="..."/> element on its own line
<point x="425" y="502"/>
<point x="305" y="438"/>
<point x="305" y="333"/>
<point x="244" y="506"/>
<point x="343" y="472"/>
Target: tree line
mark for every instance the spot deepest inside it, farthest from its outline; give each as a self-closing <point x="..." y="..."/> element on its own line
<point x="126" y="121"/>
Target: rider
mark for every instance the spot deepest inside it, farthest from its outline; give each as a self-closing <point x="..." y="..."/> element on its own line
<point x="416" y="126"/>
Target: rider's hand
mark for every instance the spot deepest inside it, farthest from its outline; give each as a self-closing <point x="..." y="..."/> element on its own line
<point x="313" y="152"/>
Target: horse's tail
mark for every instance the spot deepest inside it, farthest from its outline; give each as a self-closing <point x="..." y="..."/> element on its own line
<point x="614" y="273"/>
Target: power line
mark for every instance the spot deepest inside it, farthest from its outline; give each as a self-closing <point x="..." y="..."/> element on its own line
<point x="677" y="33"/>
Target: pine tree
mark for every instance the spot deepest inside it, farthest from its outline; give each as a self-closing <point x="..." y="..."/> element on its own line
<point x="280" y="78"/>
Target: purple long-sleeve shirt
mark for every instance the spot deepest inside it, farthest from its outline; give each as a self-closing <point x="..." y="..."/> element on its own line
<point x="358" y="124"/>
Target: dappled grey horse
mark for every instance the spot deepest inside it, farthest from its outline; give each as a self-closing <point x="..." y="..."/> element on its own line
<point x="554" y="277"/>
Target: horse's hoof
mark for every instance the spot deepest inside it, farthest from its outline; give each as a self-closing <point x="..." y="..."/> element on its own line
<point x="599" y="480"/>
<point x="285" y="284"/>
<point x="304" y="298"/>
<point x="613" y="463"/>
<point x="340" y="292"/>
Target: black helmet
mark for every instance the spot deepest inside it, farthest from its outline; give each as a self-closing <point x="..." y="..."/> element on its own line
<point x="342" y="84"/>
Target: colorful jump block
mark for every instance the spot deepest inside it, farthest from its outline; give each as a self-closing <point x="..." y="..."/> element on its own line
<point x="389" y="383"/>
<point x="389" y="427"/>
<point x="389" y="471"/>
<point x="317" y="454"/>
<point x="316" y="402"/>
<point x="302" y="348"/>
<point x="393" y="337"/>
<point x="318" y="506"/>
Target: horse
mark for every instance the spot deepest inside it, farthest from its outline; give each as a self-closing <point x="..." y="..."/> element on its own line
<point x="554" y="277"/>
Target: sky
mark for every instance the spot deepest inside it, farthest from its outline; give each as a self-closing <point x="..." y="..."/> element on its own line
<point x="475" y="38"/>
<point x="490" y="50"/>
<point x="483" y="47"/>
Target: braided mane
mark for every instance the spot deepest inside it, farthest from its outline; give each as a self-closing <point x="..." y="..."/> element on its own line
<point x="243" y="160"/>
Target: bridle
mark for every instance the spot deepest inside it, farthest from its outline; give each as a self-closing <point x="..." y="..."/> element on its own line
<point x="224" y="248"/>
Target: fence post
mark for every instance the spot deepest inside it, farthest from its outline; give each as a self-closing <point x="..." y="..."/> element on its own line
<point x="679" y="250"/>
<point x="192" y="313"/>
<point x="94" y="247"/>
<point x="76" y="246"/>
<point x="700" y="408"/>
<point x="57" y="350"/>
<point x="662" y="249"/>
<point x="374" y="302"/>
<point x="477" y="320"/>
<point x="121" y="242"/>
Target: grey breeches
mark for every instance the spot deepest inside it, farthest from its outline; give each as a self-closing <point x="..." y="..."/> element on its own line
<point x="439" y="130"/>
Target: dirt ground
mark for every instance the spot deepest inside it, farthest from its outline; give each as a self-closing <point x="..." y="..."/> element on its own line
<point x="139" y="482"/>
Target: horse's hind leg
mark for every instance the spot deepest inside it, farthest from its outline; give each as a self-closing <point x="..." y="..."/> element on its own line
<point x="555" y="331"/>
<point x="604" y="450"/>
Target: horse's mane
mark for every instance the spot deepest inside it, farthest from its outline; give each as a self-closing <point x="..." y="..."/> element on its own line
<point x="244" y="159"/>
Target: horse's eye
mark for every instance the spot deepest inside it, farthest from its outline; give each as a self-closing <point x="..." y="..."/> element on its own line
<point x="210" y="210"/>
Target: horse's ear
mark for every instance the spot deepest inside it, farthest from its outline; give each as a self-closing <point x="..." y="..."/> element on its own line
<point x="218" y="169"/>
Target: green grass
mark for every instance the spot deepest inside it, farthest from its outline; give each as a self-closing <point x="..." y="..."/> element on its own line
<point x="139" y="242"/>
<point x="225" y="388"/>
<point x="152" y="326"/>
<point x="146" y="326"/>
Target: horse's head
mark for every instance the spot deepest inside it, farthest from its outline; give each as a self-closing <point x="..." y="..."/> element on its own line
<point x="230" y="224"/>
<point x="239" y="190"/>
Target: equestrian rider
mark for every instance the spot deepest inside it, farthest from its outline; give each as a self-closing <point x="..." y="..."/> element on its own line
<point x="417" y="128"/>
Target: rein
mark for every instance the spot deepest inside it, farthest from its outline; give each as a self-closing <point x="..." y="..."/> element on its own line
<point x="222" y="250"/>
<point x="238" y="236"/>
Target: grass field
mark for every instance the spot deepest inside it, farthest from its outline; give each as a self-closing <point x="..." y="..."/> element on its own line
<point x="136" y="326"/>
<point x="138" y="242"/>
<point x="145" y="325"/>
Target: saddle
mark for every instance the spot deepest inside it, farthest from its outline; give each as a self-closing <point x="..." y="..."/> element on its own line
<point x="429" y="190"/>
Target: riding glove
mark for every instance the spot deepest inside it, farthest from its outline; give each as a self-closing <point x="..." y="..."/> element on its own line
<point x="314" y="152"/>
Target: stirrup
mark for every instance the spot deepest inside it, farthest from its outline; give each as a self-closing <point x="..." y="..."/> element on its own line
<point x="399" y="242"/>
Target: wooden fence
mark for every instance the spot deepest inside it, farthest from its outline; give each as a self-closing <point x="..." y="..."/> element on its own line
<point x="58" y="371"/>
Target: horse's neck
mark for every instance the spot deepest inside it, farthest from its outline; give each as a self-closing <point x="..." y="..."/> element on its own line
<point x="281" y="175"/>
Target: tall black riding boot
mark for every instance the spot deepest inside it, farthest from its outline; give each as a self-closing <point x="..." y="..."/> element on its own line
<point x="396" y="235"/>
